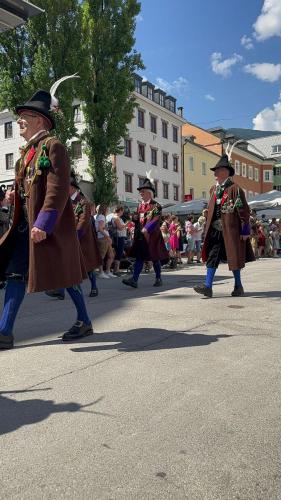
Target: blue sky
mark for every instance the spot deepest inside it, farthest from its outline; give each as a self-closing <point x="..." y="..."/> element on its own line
<point x="193" y="50"/>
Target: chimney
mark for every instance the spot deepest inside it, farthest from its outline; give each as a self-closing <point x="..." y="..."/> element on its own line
<point x="180" y="111"/>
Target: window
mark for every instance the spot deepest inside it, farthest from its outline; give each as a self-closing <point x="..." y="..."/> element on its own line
<point x="128" y="148"/>
<point x="204" y="195"/>
<point x="250" y="195"/>
<point x="161" y="100"/>
<point x="244" y="170"/>
<point x="276" y="148"/>
<point x="165" y="130"/>
<point x="76" y="148"/>
<point x="191" y="192"/>
<point x="175" y="163"/>
<point x="138" y="85"/>
<point x="267" y="176"/>
<point x="77" y="114"/>
<point x="141" y="180"/>
<point x="191" y="163"/>
<point x="250" y="172"/>
<point x="277" y="171"/>
<point x="153" y="124"/>
<point x="9" y="161"/>
<point x="8" y="130"/>
<point x="176" y="193"/>
<point x="141" y="148"/>
<point x="153" y="156"/>
<point x="203" y="168"/>
<point x="128" y="183"/>
<point x="150" y="93"/>
<point x="141" y="118"/>
<point x="165" y="190"/>
<point x="277" y="187"/>
<point x="175" y="134"/>
<point x="165" y="160"/>
<point x="237" y="167"/>
<point x="156" y="188"/>
<point x="257" y="175"/>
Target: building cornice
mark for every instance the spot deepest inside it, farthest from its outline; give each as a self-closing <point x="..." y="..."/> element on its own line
<point x="157" y="106"/>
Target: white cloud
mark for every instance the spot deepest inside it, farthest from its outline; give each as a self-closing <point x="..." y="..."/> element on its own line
<point x="269" y="118"/>
<point x="209" y="97"/>
<point x="247" y="42"/>
<point x="267" y="72"/>
<point x="179" y="86"/>
<point x="139" y="18"/>
<point x="268" y="23"/>
<point x="223" y="67"/>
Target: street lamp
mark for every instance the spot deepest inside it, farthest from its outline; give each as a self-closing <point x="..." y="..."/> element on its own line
<point x="13" y="13"/>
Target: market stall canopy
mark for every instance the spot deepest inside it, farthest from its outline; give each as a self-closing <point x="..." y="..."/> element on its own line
<point x="13" y="13"/>
<point x="188" y="207"/>
<point x="272" y="199"/>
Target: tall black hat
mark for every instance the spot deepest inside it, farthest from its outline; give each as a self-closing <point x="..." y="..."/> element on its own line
<point x="73" y="179"/>
<point x="147" y="184"/>
<point x="43" y="102"/>
<point x="40" y="103"/>
<point x="224" y="162"/>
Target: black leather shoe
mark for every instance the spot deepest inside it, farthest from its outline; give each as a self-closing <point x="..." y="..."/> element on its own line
<point x="158" y="282"/>
<point x="238" y="291"/>
<point x="6" y="341"/>
<point x="56" y="295"/>
<point x="130" y="282"/>
<point x="204" y="290"/>
<point x="94" y="292"/>
<point x="78" y="331"/>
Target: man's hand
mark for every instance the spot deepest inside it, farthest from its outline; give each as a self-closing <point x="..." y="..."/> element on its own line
<point x="10" y="197"/>
<point x="37" y="235"/>
<point x="145" y="233"/>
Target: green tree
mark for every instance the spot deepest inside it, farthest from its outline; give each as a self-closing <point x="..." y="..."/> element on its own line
<point x="107" y="84"/>
<point x="40" y="52"/>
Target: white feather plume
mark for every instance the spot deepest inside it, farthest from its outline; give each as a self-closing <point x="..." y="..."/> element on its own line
<point x="54" y="87"/>
<point x="227" y="151"/>
<point x="148" y="176"/>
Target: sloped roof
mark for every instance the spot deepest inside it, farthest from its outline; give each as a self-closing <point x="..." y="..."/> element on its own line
<point x="248" y="134"/>
<point x="13" y="13"/>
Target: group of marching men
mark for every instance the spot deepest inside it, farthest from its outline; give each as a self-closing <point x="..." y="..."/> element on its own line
<point x="50" y="244"/>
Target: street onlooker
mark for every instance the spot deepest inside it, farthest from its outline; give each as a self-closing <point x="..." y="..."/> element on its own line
<point x="261" y="240"/>
<point x="120" y="237"/>
<point x="189" y="230"/>
<point x="197" y="237"/>
<point x="104" y="242"/>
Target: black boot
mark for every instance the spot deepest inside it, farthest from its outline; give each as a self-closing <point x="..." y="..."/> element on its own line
<point x="6" y="341"/>
<point x="130" y="282"/>
<point x="204" y="290"/>
<point x="238" y="291"/>
<point x="158" y="282"/>
<point x="55" y="294"/>
<point x="78" y="331"/>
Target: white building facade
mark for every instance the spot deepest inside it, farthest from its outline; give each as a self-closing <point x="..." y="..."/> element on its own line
<point x="153" y="143"/>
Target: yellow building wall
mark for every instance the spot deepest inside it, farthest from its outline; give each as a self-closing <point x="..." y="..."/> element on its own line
<point x="195" y="179"/>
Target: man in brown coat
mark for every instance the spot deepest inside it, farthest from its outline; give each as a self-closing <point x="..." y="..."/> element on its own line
<point x="41" y="248"/>
<point x="86" y="235"/>
<point x="227" y="229"/>
<point x="148" y="242"/>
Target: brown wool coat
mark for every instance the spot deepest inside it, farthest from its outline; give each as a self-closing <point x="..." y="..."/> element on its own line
<point x="238" y="251"/>
<point x="56" y="262"/>
<point x="86" y="233"/>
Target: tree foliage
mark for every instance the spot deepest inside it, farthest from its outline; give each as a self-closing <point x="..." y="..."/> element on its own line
<point x="40" y="52"/>
<point x="107" y="84"/>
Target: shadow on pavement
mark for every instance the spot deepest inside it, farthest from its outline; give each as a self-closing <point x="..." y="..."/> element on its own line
<point x="16" y="414"/>
<point x="140" y="339"/>
<point x="261" y="295"/>
<point x="41" y="315"/>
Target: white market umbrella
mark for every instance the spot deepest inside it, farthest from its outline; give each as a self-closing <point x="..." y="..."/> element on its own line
<point x="271" y="199"/>
<point x="187" y="207"/>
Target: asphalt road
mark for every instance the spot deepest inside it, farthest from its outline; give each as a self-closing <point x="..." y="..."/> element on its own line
<point x="174" y="397"/>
